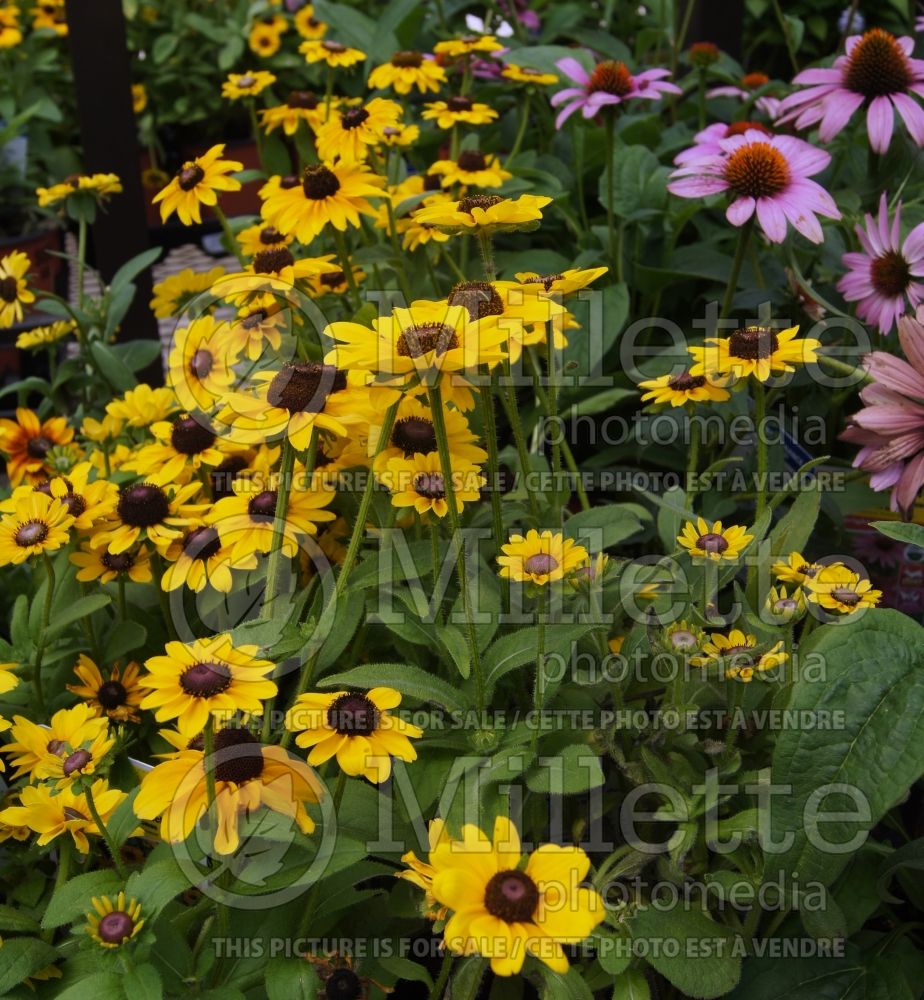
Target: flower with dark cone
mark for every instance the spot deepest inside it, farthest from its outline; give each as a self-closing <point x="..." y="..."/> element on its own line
<point x="77" y="756"/>
<point x="355" y="727"/>
<point x="454" y="48"/>
<point x="206" y="677"/>
<point x="419" y="482"/>
<point x="529" y="76"/>
<point x="87" y="502"/>
<point x="259" y="237"/>
<point x="14" y="291"/>
<point x="795" y="568"/>
<point x="458" y="111"/>
<point x="838" y="588"/>
<point x="31" y="743"/>
<point x="407" y="71"/>
<point x="738" y="655"/>
<point x="200" y="367"/>
<point x="183" y="445"/>
<point x="113" y="923"/>
<point x="173" y="295"/>
<point x="98" y="564"/>
<point x="334" y="54"/>
<point x="784" y="608"/>
<point x="713" y="542"/>
<point x="37" y="524"/>
<point x="146" y="510"/>
<point x="202" y="558"/>
<point x="248" y="777"/>
<point x="753" y="350"/>
<point x="483" y="213"/>
<point x="413" y="434"/>
<point x="248" y="84"/>
<point x="26" y="441"/>
<point x="196" y="184"/>
<point x="307" y="25"/>
<point x="301" y="106"/>
<point x="540" y="557"/>
<point x="471" y="168"/>
<point x="683" y="388"/>
<point x="348" y="135"/>
<point x="117" y="697"/>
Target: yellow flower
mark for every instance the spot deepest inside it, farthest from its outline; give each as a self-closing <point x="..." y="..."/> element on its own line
<point x="253" y="331"/>
<point x="488" y="213"/>
<point x="471" y="168"/>
<point x="50" y="15"/>
<point x="784" y="607"/>
<point x="420" y="873"/>
<point x="206" y="677"/>
<point x="258" y="237"/>
<point x="203" y="558"/>
<point x="100" y="186"/>
<point x="114" y="923"/>
<point x="14" y="292"/>
<point x="87" y="502"/>
<point x="271" y="276"/>
<point x="349" y="134"/>
<point x="45" y="336"/>
<point x="300" y="106"/>
<point x="413" y="434"/>
<point x="10" y="34"/>
<point x="51" y="196"/>
<point x="754" y="350"/>
<point x="51" y="813"/>
<point x="419" y="482"/>
<point x="332" y="53"/>
<point x="356" y="728"/>
<point x="528" y="75"/>
<point x="248" y="84"/>
<point x="264" y="40"/>
<point x="458" y="110"/>
<point x="307" y="25"/>
<point x="8" y="681"/>
<point x="505" y="906"/>
<point x="116" y="697"/>
<point x="31" y="742"/>
<point x="466" y="45"/>
<point x="335" y="282"/>
<point x="139" y="98"/>
<point x="141" y="406"/>
<point x="407" y="70"/>
<point x="735" y="652"/>
<point x="678" y="390"/>
<point x="400" y="135"/>
<point x="174" y="293"/>
<point x="248" y="777"/>
<point x="329" y="194"/>
<point x="98" y="564"/>
<point x="703" y="541"/>
<point x="196" y="183"/>
<point x="200" y="366"/>
<point x="565" y="283"/>
<point x="183" y="444"/>
<point x="795" y="568"/>
<point x="540" y="558"/>
<point x="38" y="524"/>
<point x="148" y="510"/>
<point x="838" y="588"/>
<point x="68" y="760"/>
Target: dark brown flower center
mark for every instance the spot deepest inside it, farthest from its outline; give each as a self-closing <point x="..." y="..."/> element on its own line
<point x="143" y="505"/>
<point x="111" y="695"/>
<point x="414" y="435"/>
<point x="611" y="77"/>
<point x="118" y="562"/>
<point x="200" y="365"/>
<point x="540" y="564"/>
<point x="482" y="201"/>
<point x="189" y="176"/>
<point x="416" y="341"/>
<point x="433" y="182"/>
<point x="757" y="170"/>
<point x="308" y="100"/>
<point x="190" y="437"/>
<point x="9" y="288"/>
<point x="712" y="542"/>
<point x="305" y="386"/>
<point x="353" y="715"/>
<point x="31" y="533"/>
<point x="704" y="53"/>
<point x="115" y="927"/>
<point x="333" y="279"/>
<point x="39" y="446"/>
<point x="76" y="761"/>
<point x="478" y="298"/>
<point x="333" y="46"/>
<point x="459" y="103"/>
<point x="430" y="485"/>
<point x="272" y="261"/>
<point x="238" y="756"/>
<point x="224" y="475"/>
<point x="753" y="343"/>
<point x="270" y="235"/>
<point x="685" y="382"/>
<point x="511" y="896"/>
<point x="320" y="183"/>
<point x="890" y="274"/>
<point x="877" y="66"/>
<point x="407" y="60"/>
<point x="343" y="984"/>
<point x="205" y="680"/>
<point x="262" y="507"/>
<point x="353" y="118"/>
<point x="252" y="321"/>
<point x="202" y="543"/>
<point x="471" y="160"/>
<point x="843" y="595"/>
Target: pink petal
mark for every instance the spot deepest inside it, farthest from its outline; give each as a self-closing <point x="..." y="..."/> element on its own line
<point x="911" y="337"/>
<point x="895" y="373"/>
<point x="698" y="186"/>
<point x="571" y="67"/>
<point x="838" y="109"/>
<point x="880" y="120"/>
<point x="912" y="115"/>
<point x="772" y="219"/>
<point x="738" y="212"/>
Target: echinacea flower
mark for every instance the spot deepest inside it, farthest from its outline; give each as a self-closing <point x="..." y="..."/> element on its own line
<point x="608" y="85"/>
<point x="355" y="727"/>
<point x="14" y="291"/>
<point x="876" y="73"/>
<point x="754" y="351"/>
<point x="504" y="906"/>
<point x="882" y="279"/>
<point x="750" y="83"/>
<point x="764" y="174"/>
<point x="707" y="142"/>
<point x="113" y="923"/>
<point x="406" y="71"/>
<point x="540" y="557"/>
<point x="196" y="184"/>
<point x="838" y="588"/>
<point x="712" y="542"/>
<point x="737" y="653"/>
<point x="457" y="110"/>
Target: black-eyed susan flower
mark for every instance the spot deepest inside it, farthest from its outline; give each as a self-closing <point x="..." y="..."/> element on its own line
<point x="348" y="135"/>
<point x="683" y="388"/>
<point x="420" y="873"/>
<point x="400" y="134"/>
<point x="506" y="906"/>
<point x="407" y="71"/>
<point x="248" y="777"/>
<point x="540" y="557"/>
<point x="53" y="813"/>
<point x="528" y="75"/>
<point x="264" y="40"/>
<point x="249" y="84"/>
<point x="201" y="558"/>
<point x="31" y="743"/>
<point x="8" y="681"/>
<point x="116" y="696"/>
<point x="458" y="110"/>
<point x="307" y="25"/>
<point x="419" y="482"/>
<point x="80" y="193"/>
<point x="147" y="510"/>
<point x="564" y="282"/>
<point x="453" y="48"/>
<point x="10" y="32"/>
<point x="87" y="502"/>
<point x="754" y="350"/>
<point x="784" y="607"/>
<point x="271" y="276"/>
<point x="300" y="106"/>
<point x="141" y="406"/>
<point x="37" y="524"/>
<point x="113" y="923"/>
<point x="98" y="564"/>
<point x="355" y="727"/>
<point x="838" y="588"/>
<point x="413" y="434"/>
<point x="795" y="568"/>
<point x="194" y="680"/>
<point x="431" y="343"/>
<point x="333" y="54"/>
<point x="69" y="760"/>
<point x="682" y="637"/>
<point x="196" y="184"/>
<point x="336" y="282"/>
<point x="174" y="293"/>
<point x="45" y="336"/>
<point x="258" y="237"/>
<point x="471" y="168"/>
<point x="139" y="98"/>
<point x="14" y="290"/>
<point x="200" y="365"/>
<point x="713" y="542"/>
<point x="333" y="194"/>
<point x="181" y="445"/>
<point x="26" y="441"/>
<point x="254" y="330"/>
<point x="483" y="213"/>
<point x="591" y="572"/>
<point x="738" y="654"/>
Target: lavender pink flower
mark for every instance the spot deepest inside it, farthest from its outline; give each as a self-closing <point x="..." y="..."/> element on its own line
<point x="764" y="174"/>
<point x="881" y="278"/>
<point x="750" y="82"/>
<point x="608" y="85"/>
<point x="878" y="74"/>
<point x="706" y="142"/>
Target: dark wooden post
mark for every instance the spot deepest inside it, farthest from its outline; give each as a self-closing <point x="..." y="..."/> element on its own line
<point x="102" y="84"/>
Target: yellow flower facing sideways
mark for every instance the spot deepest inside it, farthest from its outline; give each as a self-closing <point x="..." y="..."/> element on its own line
<point x="196" y="183"/>
<point x="736" y="652"/>
<point x="754" y="350"/>
<point x="407" y="71"/>
<point x="838" y="588"/>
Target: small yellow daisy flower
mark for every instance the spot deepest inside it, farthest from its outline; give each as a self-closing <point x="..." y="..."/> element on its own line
<point x="248" y="84"/>
<point x="540" y="558"/>
<point x="838" y="588"/>
<point x="45" y="336"/>
<point x="196" y="184"/>
<point x="754" y="350"/>
<point x="419" y="482"/>
<point x="114" y="923"/>
<point x="528" y="75"/>
<point x="471" y="168"/>
<point x="458" y="110"/>
<point x="332" y="53"/>
<point x="736" y="652"/>
<point x="714" y="542"/>
<point x="483" y="213"/>
<point x="683" y="388"/>
<point x="406" y="71"/>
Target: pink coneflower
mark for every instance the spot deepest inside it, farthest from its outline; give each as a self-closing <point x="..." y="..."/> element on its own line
<point x="610" y="83"/>
<point x="766" y="174"/>
<point x="706" y="142"/>
<point x="750" y="82"/>
<point x="890" y="427"/>
<point x="881" y="279"/>
<point x="877" y="73"/>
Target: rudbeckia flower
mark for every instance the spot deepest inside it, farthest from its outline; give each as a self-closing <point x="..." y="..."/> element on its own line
<point x="200" y="366"/>
<point x="540" y="557"/>
<point x="45" y="336"/>
<point x="14" y="292"/>
<point x="406" y="71"/>
<point x="838" y="588"/>
<point x="737" y="654"/>
<point x="194" y="680"/>
<point x="196" y="183"/>
<point x="565" y="283"/>
<point x="69" y="726"/>
<point x="471" y="168"/>
<point x="68" y="760"/>
<point x="753" y="350"/>
<point x="37" y="524"/>
<point x="300" y="106"/>
<point x="683" y="388"/>
<point x="419" y="482"/>
<point x="26" y="441"/>
<point x="334" y="54"/>
<point x="307" y="25"/>
<point x="795" y="568"/>
<point x="141" y="406"/>
<point x="264" y="40"/>
<point x="483" y="213"/>
<point x="458" y="110"/>
<point x="175" y="292"/>
<point x="248" y="84"/>
<point x="348" y="135"/>
<point x="528" y="75"/>
<point x="87" y="502"/>
<point x="466" y="45"/>
<point x="112" y="924"/>
<point x="355" y="727"/>
<point x="413" y="434"/>
<point x="420" y="873"/>
<point x="98" y="564"/>
<point x="258" y="237"/>
<point x="713" y="542"/>
<point x="115" y="697"/>
<point x="504" y="906"/>
<point x="148" y="510"/>
<point x="202" y="558"/>
<point x="784" y="607"/>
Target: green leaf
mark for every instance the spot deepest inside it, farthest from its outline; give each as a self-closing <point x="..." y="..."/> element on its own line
<point x="874" y="681"/>
<point x="794" y="529"/>
<point x="113" y="368"/>
<point x="842" y="978"/>
<point x="82" y="608"/>
<point x="157" y="884"/>
<point x="638" y="182"/>
<point x="515" y="649"/>
<point x="130" y="270"/>
<point x="20" y="957"/>
<point x="607" y="525"/>
<point x="137" y="354"/>
<point x="99" y="986"/>
<point x="671" y="517"/>
<point x="455" y="644"/>
<point x="123" y="822"/>
<point x="910" y="855"/>
<point x="576" y="769"/>
<point x="12" y="919"/>
<point x="72" y="900"/>
<point x="912" y="534"/>
<point x="632" y="985"/>
<point x="410" y="681"/>
<point x="143" y="982"/>
<point x="569" y="986"/>
<point x="291" y="979"/>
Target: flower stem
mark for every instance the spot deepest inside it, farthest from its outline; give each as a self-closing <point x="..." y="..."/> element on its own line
<point x="509" y="401"/>
<point x="105" y="834"/>
<point x="609" y="126"/>
<point x="40" y="646"/>
<point x="692" y="457"/>
<point x="732" y="285"/>
<point x="487" y="255"/>
<point x="81" y="258"/>
<point x="539" y="686"/>
<point x="344" y="255"/>
<point x="524" y="124"/>
<point x="439" y="986"/>
<point x="233" y="245"/>
<point x="734" y="700"/>
<point x="284" y="486"/>
<point x="490" y="436"/>
<point x="760" y="414"/>
<point x="787" y="38"/>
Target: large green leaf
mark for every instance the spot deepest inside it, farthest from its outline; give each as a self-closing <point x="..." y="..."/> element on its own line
<point x="412" y="681"/>
<point x="72" y="899"/>
<point x="609" y="524"/>
<point x="20" y="957"/>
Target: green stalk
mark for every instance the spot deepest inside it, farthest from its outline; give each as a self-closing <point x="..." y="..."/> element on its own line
<point x="81" y="258"/>
<point x="524" y="124"/>
<point x="233" y="245"/>
<point x="692" y="457"/>
<point x="787" y="38"/>
<point x="487" y="255"/>
<point x="732" y="285"/>
<point x="760" y="414"/>
<point x="539" y="684"/>
<point x="104" y="833"/>
<point x="734" y="700"/>
<point x="490" y="435"/>
<point x="610" y="178"/>
<point x="439" y="986"/>
<point x="344" y="255"/>
<point x="284" y="486"/>
<point x="40" y="646"/>
<point x="509" y="401"/>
